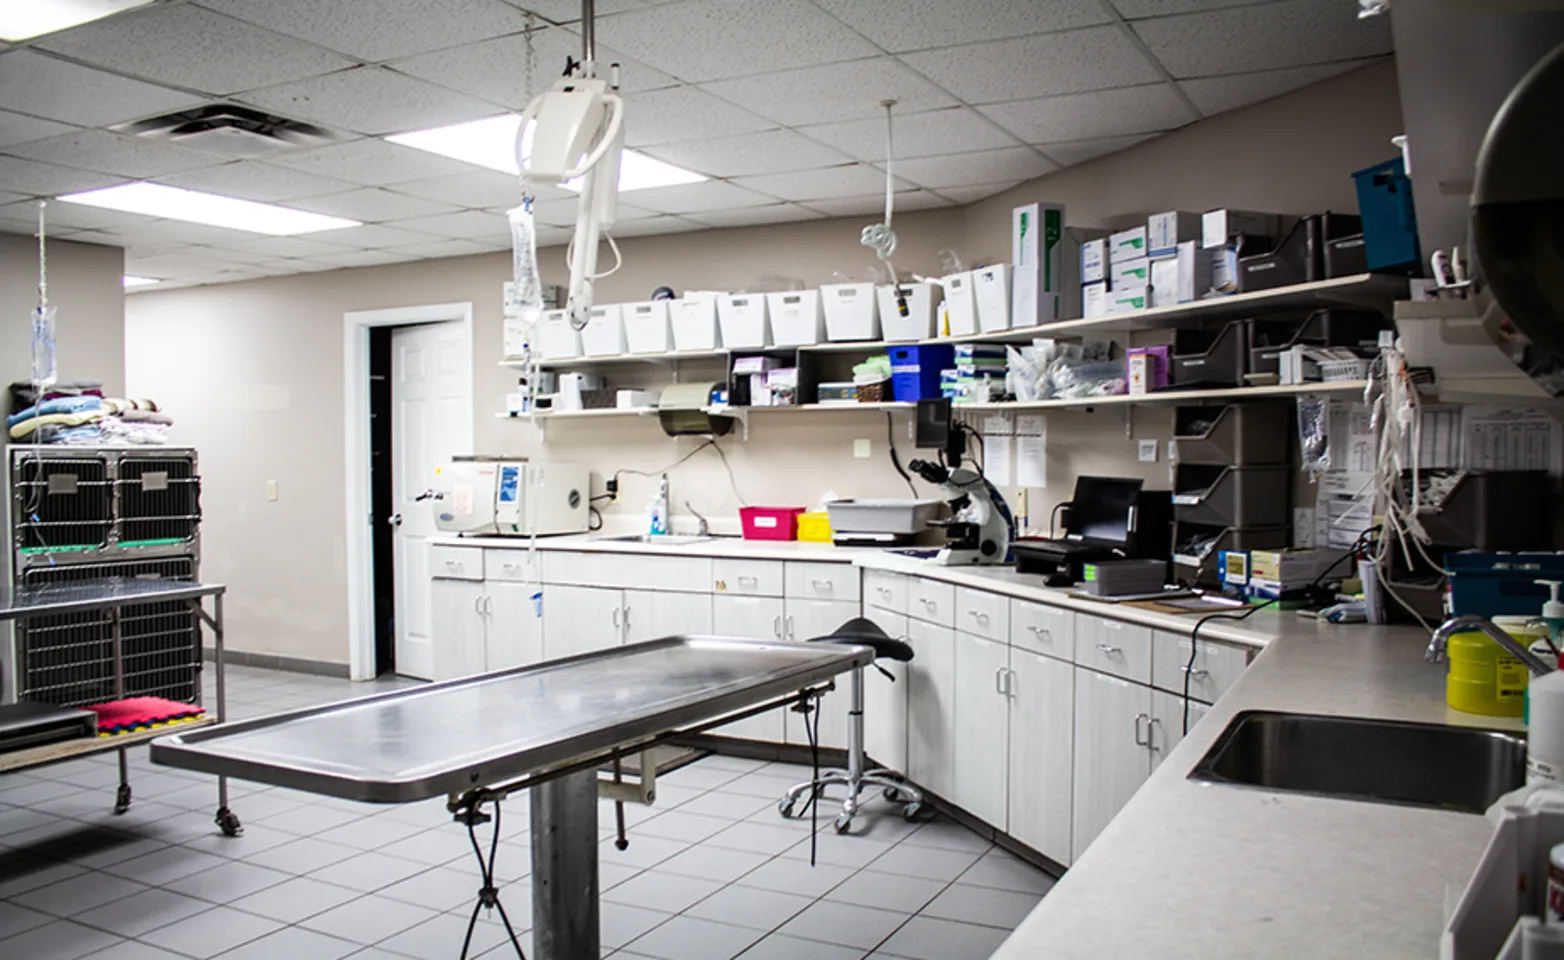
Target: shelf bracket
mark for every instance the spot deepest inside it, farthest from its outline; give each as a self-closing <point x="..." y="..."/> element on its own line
<point x="1128" y="411"/>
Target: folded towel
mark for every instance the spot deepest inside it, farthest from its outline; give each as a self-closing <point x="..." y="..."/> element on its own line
<point x="57" y="405"/>
<point x="145" y="416"/>
<point x="26" y="427"/>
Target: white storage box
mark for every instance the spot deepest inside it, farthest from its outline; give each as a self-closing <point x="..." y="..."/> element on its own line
<point x="1094" y="299"/>
<point x="1127" y="245"/>
<point x="646" y="327"/>
<point x="851" y="312"/>
<point x="557" y="339"/>
<point x="1165" y="231"/>
<point x="1129" y="299"/>
<point x="795" y="317"/>
<point x="918" y="324"/>
<point x="1094" y="260"/>
<point x="604" y="333"/>
<point x="694" y="322"/>
<point x="742" y="317"/>
<point x="991" y="291"/>
<point x="1129" y="273"/>
<point x="960" y="307"/>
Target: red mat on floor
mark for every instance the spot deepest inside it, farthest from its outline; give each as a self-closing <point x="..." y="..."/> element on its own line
<point x="141" y="713"/>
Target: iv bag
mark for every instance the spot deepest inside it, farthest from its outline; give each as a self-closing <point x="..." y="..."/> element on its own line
<point x="45" y="372"/>
<point x="524" y="258"/>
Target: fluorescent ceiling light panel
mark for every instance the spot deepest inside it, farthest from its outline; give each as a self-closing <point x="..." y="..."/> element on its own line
<point x="173" y="203"/>
<point x="131" y="281"/>
<point x="491" y="142"/>
<point x="24" y="19"/>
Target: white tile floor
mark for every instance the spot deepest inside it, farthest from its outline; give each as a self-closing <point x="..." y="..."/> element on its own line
<point x="712" y="872"/>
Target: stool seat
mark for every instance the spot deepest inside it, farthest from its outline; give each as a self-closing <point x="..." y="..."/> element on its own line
<point x="867" y="633"/>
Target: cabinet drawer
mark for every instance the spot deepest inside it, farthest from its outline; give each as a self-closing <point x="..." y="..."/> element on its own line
<point x="822" y="581"/>
<point x="1043" y="629"/>
<point x="1216" y="666"/>
<point x="931" y="601"/>
<point x="629" y="571"/>
<point x="887" y="591"/>
<point x="756" y="578"/>
<point x="455" y="563"/>
<point x="1112" y="646"/>
<point x="509" y="565"/>
<point x="983" y="614"/>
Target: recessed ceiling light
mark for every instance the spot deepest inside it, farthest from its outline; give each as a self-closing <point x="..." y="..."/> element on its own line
<point x="34" y="18"/>
<point x="131" y="281"/>
<point x="173" y="203"/>
<point x="491" y="142"/>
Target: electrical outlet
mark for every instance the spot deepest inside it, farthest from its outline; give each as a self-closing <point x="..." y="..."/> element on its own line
<point x="861" y="449"/>
<point x="271" y="490"/>
<point x="1147" y="450"/>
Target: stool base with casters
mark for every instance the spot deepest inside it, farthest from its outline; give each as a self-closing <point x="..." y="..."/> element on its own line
<point x="855" y="778"/>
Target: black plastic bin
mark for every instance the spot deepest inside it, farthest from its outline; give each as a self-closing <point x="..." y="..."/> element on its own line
<point x="1329" y="327"/>
<point x="1205" y="358"/>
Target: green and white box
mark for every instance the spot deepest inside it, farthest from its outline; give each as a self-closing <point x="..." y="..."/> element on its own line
<point x="1037" y="252"/>
<point x="1129" y="273"/>
<point x="1127" y="245"/>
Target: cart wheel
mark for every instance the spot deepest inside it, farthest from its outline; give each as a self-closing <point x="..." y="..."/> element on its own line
<point x="910" y="812"/>
<point x="122" y="799"/>
<point x="892" y="795"/>
<point x="785" y="807"/>
<point x="228" y="822"/>
<point x="843" y="823"/>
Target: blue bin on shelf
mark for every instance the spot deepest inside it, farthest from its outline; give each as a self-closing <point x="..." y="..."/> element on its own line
<point x="915" y="370"/>
<point x="1500" y="584"/>
<point x="1389" y="220"/>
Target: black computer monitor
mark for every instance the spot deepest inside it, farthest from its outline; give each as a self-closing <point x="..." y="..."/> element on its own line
<point x="1101" y="508"/>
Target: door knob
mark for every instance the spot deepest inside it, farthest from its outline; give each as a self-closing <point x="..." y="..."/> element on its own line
<point x="395" y="519"/>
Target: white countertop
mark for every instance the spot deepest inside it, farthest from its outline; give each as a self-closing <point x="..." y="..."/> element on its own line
<point x="727" y="547"/>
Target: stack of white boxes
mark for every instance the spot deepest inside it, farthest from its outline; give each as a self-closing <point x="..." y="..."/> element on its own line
<point x="1158" y="265"/>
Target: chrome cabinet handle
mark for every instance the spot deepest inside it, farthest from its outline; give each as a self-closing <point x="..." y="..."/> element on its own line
<point x="627" y="618"/>
<point x="616" y="618"/>
<point x="1151" y="741"/>
<point x="1195" y="673"/>
<point x="744" y="578"/>
<point x="978" y="615"/>
<point x="1042" y="633"/>
<point x="1109" y="650"/>
<point x="1142" y="740"/>
<point x="477" y="605"/>
<point x="453" y="564"/>
<point x="884" y="592"/>
<point x="823" y="586"/>
<point x="776" y="626"/>
<point x="789" y="624"/>
<point x="928" y="604"/>
<point x="999" y="681"/>
<point x="487" y="607"/>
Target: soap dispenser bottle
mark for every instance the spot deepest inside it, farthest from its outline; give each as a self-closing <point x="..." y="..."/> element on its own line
<point x="658" y="510"/>
<point x="1553" y="612"/>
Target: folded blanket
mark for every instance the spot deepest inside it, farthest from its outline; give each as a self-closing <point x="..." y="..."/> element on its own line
<point x="144" y="416"/>
<point x="26" y="427"/>
<point x="58" y="405"/>
<point x="121" y="405"/>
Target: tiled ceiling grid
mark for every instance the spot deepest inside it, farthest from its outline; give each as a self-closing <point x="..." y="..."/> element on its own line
<point x="776" y="101"/>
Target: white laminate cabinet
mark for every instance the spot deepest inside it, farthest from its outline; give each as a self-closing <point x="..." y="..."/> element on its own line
<point x="1167" y="723"/>
<point x="457" y="625"/>
<point x="1042" y="748"/>
<point x="931" y="707"/>
<point x="1043" y="629"/>
<point x="822" y="581"/>
<point x="759" y="618"/>
<point x="745" y="577"/>
<point x="983" y="719"/>
<point x="1112" y="724"/>
<point x="1113" y="646"/>
<point x="806" y="619"/>
<point x="654" y="614"/>
<point x="513" y="631"/>
<point x="931" y="601"/>
<point x="885" y="702"/>
<point x="885" y="591"/>
<point x="983" y="614"/>
<point x="581" y="619"/>
<point x="511" y="565"/>
<point x="455" y="563"/>
<point x="1216" y="665"/>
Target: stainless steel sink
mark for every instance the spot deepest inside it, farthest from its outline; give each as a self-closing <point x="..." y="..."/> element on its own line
<point x="1383" y="761"/>
<point x="663" y="539"/>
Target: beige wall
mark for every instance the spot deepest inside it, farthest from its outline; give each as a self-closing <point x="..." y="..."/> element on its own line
<point x="252" y="370"/>
<point x="85" y="284"/>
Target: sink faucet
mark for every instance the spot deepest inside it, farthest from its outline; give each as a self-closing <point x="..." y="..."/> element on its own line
<point x="1462" y="624"/>
<point x="705" y="528"/>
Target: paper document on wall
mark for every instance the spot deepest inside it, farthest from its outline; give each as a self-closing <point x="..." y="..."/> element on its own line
<point x="1503" y="438"/>
<point x="1031" y="453"/>
<point x="998" y="464"/>
<point x="1351" y="449"/>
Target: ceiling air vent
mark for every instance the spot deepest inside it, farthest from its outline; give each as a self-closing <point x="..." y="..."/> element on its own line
<point x="230" y="130"/>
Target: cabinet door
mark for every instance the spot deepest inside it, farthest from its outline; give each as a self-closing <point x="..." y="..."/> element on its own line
<point x="816" y="618"/>
<point x="513" y="635"/>
<point x="983" y="713"/>
<point x="758" y="618"/>
<point x="581" y="619"/>
<point x="1167" y="723"/>
<point x="654" y="614"/>
<point x="1112" y="717"/>
<point x="456" y="622"/>
<point x="885" y="702"/>
<point x="1042" y="748"/>
<point x="931" y="707"/>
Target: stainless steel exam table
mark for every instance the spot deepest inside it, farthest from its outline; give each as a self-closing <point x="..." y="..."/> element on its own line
<point x="546" y="727"/>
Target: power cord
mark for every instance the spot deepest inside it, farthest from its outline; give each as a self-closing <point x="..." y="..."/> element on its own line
<point x="890" y="444"/>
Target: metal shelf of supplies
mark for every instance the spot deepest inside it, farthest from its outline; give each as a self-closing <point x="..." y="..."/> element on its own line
<point x="1173" y="396"/>
<point x="621" y="358"/>
<point x="568" y="414"/>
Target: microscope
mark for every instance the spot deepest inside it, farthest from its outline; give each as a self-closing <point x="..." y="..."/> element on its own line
<point x="980" y="529"/>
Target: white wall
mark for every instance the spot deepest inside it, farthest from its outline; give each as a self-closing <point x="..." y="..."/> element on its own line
<point x="85" y="284"/>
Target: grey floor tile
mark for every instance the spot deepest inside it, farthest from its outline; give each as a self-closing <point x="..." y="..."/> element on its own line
<point x="15" y="919"/>
<point x="33" y="793"/>
<point x="375" y="953"/>
<point x="441" y="888"/>
<point x="368" y="920"/>
<point x="750" y="907"/>
<point x="293" y="943"/>
<point x="20" y="876"/>
<point x="132" y="950"/>
<point x="674" y="795"/>
<point x="610" y="875"/>
<point x="730" y="806"/>
<point x="985" y="905"/>
<point x="842" y="851"/>
<point x="209" y="934"/>
<point x="70" y="897"/>
<point x="14" y="819"/>
<point x="678" y="825"/>
<point x="795" y="876"/>
<point x="621" y="923"/>
<point x="433" y="847"/>
<point x="739" y="764"/>
<point x="130" y="847"/>
<point x="442" y="937"/>
<point x="689" y="938"/>
<point x="667" y="892"/>
<point x="165" y="866"/>
<point x="254" y="839"/>
<point x="887" y="892"/>
<point x="148" y="910"/>
<point x="930" y="863"/>
<point x="258" y="807"/>
<point x="643" y="851"/>
<point x="303" y="856"/>
<point x="763" y="784"/>
<point x="844" y="924"/>
<point x="228" y="882"/>
<point x="948" y="835"/>
<point x="713" y="863"/>
<point x="295" y="899"/>
<point x="309" y="820"/>
<point x="1002" y="871"/>
<point x="699" y="776"/>
<point x="769" y="839"/>
<point x="371" y="833"/>
<point x="369" y="871"/>
<point x="925" y="938"/>
<point x="781" y="947"/>
<point x="60" y="940"/>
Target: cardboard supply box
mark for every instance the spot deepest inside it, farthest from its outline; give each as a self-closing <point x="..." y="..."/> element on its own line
<point x="1165" y="231"/>
<point x="1129" y="299"/>
<point x="1038" y="281"/>
<point x="1185" y="277"/>
<point x="1127" y="245"/>
<point x="1094" y="261"/>
<point x="1129" y="273"/>
<point x="1094" y="299"/>
<point x="1221" y="225"/>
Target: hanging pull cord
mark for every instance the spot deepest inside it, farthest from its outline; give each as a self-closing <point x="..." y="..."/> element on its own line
<point x="43" y="261"/>
<point x="879" y="237"/>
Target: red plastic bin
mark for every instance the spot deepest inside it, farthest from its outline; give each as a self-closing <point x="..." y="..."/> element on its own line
<point x="770" y="523"/>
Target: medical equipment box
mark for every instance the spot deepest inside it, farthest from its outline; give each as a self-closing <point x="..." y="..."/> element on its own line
<point x="501" y="496"/>
<point x="1038" y="281"/>
<point x="1165" y="231"/>
<point x="1327" y="327"/>
<point x="851" y="311"/>
<point x="1129" y="299"/>
<point x="1198" y="547"/>
<point x="694" y="322"/>
<point x="1219" y="226"/>
<point x="647" y="327"/>
<point x="918" y="323"/>
<point x="1146" y="368"/>
<point x="1127" y="244"/>
<point x="604" y="333"/>
<point x="1184" y="277"/>
<point x="742" y="317"/>
<point x="557" y="339"/>
<point x="1123" y="578"/>
<point x="796" y="320"/>
<point x="991" y="290"/>
<point x="960" y="308"/>
<point x="1094" y="261"/>
<point x="915" y="370"/>
<point x="1094" y="299"/>
<point x="1388" y="218"/>
<point x="1135" y="272"/>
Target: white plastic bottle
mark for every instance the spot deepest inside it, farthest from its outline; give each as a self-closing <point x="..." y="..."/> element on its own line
<point x="1545" y="729"/>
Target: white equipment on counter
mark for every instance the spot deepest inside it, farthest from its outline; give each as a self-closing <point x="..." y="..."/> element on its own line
<point x="509" y="497"/>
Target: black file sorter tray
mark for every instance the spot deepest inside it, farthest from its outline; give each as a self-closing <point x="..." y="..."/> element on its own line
<point x="1242" y="434"/>
<point x="1329" y="327"/>
<point x="1217" y="358"/>
<point x="1300" y="257"/>
<point x="1487" y="509"/>
<point x="1231" y="496"/>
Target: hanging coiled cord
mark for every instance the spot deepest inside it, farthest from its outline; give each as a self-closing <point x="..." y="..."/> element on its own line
<point x="879" y="237"/>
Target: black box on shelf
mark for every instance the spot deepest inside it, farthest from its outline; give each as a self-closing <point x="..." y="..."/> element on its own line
<point x="1243" y="434"/>
<point x="1227" y="496"/>
<point x="1202" y="358"/>
<point x="1300" y="257"/>
<point x="1329" y="327"/>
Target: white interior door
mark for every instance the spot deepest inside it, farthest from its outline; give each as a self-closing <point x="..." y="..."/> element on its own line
<point x="431" y="421"/>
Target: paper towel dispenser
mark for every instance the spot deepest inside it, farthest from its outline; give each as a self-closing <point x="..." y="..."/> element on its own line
<point x="684" y="409"/>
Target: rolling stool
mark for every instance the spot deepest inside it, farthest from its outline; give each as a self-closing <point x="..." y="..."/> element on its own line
<point x="865" y="633"/>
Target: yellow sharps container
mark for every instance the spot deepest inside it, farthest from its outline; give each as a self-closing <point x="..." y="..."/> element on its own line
<point x="1483" y="677"/>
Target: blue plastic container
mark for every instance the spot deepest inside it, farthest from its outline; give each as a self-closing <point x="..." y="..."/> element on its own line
<point x="1389" y="220"/>
<point x="915" y="370"/>
<point x="1501" y="584"/>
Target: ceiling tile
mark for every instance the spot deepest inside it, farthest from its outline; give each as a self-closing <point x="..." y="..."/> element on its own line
<point x="773" y="151"/>
<point x="372" y="100"/>
<point x="6" y="198"/>
<point x="678" y="114"/>
<point x="496" y="70"/>
<point x="373" y="205"/>
<point x="130" y="238"/>
<point x="559" y="236"/>
<point x="464" y="224"/>
<point x="47" y="180"/>
<point x="372" y="162"/>
<point x="925" y="134"/>
<point x="182" y="233"/>
<point x="195" y="260"/>
<point x="569" y="11"/>
<point x="1095" y="58"/>
<point x="694" y="198"/>
<point x="62" y="217"/>
<point x="479" y="189"/>
<point x="843" y="91"/>
<point x="1135" y="9"/>
<point x="657" y="225"/>
<point x="750" y="216"/>
<point x="374" y="235"/>
<point x="1012" y="163"/>
<point x="902" y="25"/>
<point x="378" y="30"/>
<point x="1291" y="33"/>
<point x="1085" y="116"/>
<point x="1071" y="152"/>
<point x="15" y="128"/>
<point x="1216" y="94"/>
<point x="24" y="227"/>
<point x="445" y="248"/>
<point x="186" y="46"/>
<point x="38" y="84"/>
<point x="365" y="258"/>
<point x="712" y="39"/>
<point x="982" y="191"/>
<point x="872" y="204"/>
<point x="115" y="153"/>
<point x="562" y="212"/>
<point x="253" y="180"/>
<point x="831" y="183"/>
<point x="276" y="248"/>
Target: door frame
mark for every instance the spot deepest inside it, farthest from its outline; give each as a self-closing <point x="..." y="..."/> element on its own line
<point x="359" y="541"/>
